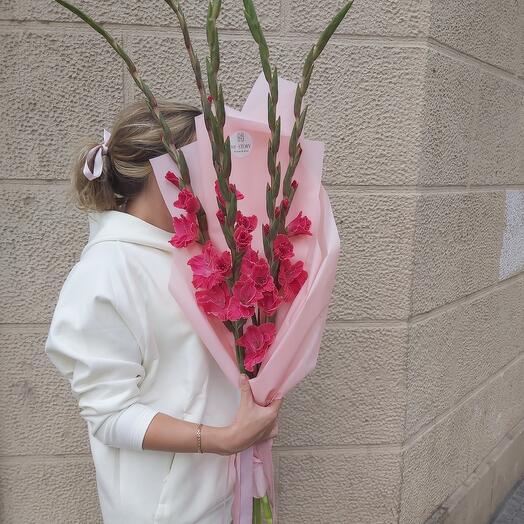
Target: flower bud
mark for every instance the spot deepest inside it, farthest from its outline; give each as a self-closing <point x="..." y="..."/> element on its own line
<point x="221" y="216"/>
<point x="171" y="177"/>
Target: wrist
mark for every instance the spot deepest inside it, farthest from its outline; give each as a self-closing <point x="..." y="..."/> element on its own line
<point x="217" y="440"/>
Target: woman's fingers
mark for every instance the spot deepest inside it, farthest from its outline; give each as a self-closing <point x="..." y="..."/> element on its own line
<point x="246" y="395"/>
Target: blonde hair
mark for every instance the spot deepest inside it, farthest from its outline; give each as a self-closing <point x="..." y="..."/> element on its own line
<point x="135" y="138"/>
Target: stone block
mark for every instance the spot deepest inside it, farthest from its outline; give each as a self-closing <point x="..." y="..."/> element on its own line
<point x="355" y="395"/>
<point x="57" y="89"/>
<point x="458" y="241"/>
<point x="36" y="400"/>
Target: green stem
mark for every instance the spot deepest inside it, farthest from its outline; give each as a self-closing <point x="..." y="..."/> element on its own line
<point x="257" y="511"/>
<point x="277" y="225"/>
<point x="266" y="508"/>
<point x="274" y="169"/>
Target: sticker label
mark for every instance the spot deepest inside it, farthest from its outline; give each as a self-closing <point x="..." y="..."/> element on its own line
<point x="241" y="143"/>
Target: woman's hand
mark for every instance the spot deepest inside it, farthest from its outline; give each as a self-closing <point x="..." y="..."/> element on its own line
<point x="252" y="422"/>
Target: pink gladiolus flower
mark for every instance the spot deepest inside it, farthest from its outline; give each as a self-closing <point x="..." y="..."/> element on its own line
<point x="244" y="299"/>
<point x="291" y="277"/>
<point x="248" y="260"/>
<point x="257" y="268"/>
<point x="270" y="301"/>
<point x="186" y="230"/>
<point x="256" y="341"/>
<point x="282" y="247"/>
<point x="210" y="267"/>
<point x="214" y="301"/>
<point x="232" y="187"/>
<point x="242" y="238"/>
<point x="173" y="178"/>
<point x="187" y="201"/>
<point x="221" y="216"/>
<point x="249" y="222"/>
<point x="299" y="225"/>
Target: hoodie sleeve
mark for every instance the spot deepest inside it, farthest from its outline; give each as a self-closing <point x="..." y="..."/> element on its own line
<point x="91" y="344"/>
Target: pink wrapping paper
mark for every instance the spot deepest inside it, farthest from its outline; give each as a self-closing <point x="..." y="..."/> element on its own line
<point x="300" y="324"/>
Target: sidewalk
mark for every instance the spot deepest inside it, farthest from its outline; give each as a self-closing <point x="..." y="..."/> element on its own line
<point x="513" y="510"/>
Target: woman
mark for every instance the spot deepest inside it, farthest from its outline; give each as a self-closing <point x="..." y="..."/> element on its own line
<point x="163" y="421"/>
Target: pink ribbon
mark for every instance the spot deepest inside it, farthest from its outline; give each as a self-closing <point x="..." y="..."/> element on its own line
<point x="96" y="152"/>
<point x="254" y="478"/>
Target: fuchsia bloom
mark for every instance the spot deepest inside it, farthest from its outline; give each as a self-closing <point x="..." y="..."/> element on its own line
<point x="248" y="260"/>
<point x="221" y="216"/>
<point x="242" y="238"/>
<point x="269" y="302"/>
<point x="232" y="187"/>
<point x="173" y="178"/>
<point x="187" y="201"/>
<point x="291" y="277"/>
<point x="186" y="230"/>
<point x="244" y="299"/>
<point x="256" y="341"/>
<point x="282" y="247"/>
<point x="300" y="225"/>
<point x="214" y="301"/>
<point x="249" y="222"/>
<point x="257" y="268"/>
<point x="210" y="267"/>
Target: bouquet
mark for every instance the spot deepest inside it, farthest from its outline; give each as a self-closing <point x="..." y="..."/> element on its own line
<point x="255" y="244"/>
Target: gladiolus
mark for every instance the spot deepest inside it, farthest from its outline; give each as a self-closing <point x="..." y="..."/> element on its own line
<point x="282" y="247"/>
<point x="186" y="230"/>
<point x="244" y="299"/>
<point x="232" y="188"/>
<point x="300" y="225"/>
<point x="269" y="302"/>
<point x="173" y="178"/>
<point x="242" y="238"/>
<point x="249" y="222"/>
<point x="291" y="277"/>
<point x="221" y="216"/>
<point x="187" y="201"/>
<point x="210" y="267"/>
<point x="214" y="301"/>
<point x="256" y="341"/>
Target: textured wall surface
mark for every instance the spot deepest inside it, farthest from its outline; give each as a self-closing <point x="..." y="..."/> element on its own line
<point x="415" y="411"/>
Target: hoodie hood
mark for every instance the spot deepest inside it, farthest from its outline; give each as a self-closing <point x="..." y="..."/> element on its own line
<point x="118" y="225"/>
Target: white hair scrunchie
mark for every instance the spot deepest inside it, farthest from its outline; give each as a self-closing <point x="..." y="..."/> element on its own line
<point x="97" y="152"/>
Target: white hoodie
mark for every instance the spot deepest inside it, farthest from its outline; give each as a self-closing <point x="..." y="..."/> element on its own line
<point x="122" y="341"/>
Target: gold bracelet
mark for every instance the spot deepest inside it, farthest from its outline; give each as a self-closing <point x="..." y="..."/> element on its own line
<point x="199" y="438"/>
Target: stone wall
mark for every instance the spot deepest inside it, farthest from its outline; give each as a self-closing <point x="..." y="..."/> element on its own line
<point x="416" y="408"/>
